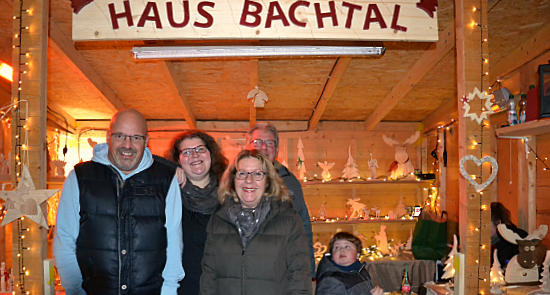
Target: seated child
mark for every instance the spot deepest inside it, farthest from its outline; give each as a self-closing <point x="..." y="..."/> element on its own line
<point x="340" y="271"/>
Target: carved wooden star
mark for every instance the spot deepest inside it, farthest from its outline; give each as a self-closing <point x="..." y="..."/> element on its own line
<point x="26" y="200"/>
<point x="487" y="106"/>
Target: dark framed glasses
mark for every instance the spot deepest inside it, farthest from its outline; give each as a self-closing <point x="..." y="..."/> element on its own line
<point x="256" y="175"/>
<point x="200" y="149"/>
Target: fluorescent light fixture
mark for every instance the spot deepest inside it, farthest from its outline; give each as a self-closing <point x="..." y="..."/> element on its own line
<point x="179" y="52"/>
<point x="6" y="71"/>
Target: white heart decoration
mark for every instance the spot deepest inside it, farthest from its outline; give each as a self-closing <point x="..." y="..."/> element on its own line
<point x="479" y="186"/>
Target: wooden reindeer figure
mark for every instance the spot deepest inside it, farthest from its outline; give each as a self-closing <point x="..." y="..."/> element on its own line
<point x="402" y="166"/>
<point x="524" y="267"/>
<point x="356" y="208"/>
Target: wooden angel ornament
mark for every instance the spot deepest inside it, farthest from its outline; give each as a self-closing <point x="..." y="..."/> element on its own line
<point x="402" y="166"/>
<point x="326" y="166"/>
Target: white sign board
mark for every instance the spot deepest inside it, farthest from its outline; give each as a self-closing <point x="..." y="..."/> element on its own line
<point x="407" y="20"/>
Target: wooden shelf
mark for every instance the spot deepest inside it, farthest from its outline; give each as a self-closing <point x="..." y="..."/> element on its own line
<point x="531" y="128"/>
<point x="357" y="221"/>
<point x="377" y="181"/>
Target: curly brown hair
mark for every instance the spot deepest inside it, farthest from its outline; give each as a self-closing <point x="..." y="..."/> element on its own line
<point x="275" y="187"/>
<point x="218" y="160"/>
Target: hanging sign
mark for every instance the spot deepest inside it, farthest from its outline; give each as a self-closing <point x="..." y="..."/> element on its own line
<point x="407" y="20"/>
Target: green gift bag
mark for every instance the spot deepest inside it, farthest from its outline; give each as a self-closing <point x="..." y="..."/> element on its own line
<point x="430" y="236"/>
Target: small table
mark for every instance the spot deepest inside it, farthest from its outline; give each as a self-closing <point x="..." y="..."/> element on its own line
<point x="388" y="272"/>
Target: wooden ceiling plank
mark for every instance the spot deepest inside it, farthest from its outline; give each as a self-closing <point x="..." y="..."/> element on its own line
<point x="538" y="44"/>
<point x="340" y="67"/>
<point x="63" y="47"/>
<point x="170" y="69"/>
<point x="422" y="66"/>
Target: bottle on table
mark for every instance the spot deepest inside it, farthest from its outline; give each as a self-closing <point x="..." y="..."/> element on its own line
<point x="512" y="114"/>
<point x="522" y="113"/>
<point x="405" y="285"/>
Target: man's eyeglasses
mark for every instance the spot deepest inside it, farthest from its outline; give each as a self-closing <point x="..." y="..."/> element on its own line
<point x="256" y="175"/>
<point x="200" y="149"/>
<point x="257" y="143"/>
<point x="121" y="137"/>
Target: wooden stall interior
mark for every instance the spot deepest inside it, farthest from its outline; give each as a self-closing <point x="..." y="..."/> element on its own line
<point x="332" y="113"/>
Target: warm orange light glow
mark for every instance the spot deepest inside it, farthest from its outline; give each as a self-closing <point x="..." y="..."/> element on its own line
<point x="6" y="71"/>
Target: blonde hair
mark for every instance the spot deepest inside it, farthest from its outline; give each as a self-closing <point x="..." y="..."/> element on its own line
<point x="275" y="187"/>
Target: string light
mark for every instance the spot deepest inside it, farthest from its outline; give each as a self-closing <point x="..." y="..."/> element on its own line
<point x="20" y="116"/>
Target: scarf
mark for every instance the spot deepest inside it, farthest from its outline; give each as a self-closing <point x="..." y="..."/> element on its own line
<point x="201" y="200"/>
<point x="248" y="220"/>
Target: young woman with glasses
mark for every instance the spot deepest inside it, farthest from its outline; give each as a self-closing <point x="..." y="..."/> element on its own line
<point x="202" y="164"/>
<point x="255" y="242"/>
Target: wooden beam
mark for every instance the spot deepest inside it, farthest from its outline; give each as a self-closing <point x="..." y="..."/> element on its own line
<point x="61" y="118"/>
<point x="538" y="44"/>
<point x="170" y="72"/>
<point x="336" y="74"/>
<point x="63" y="47"/>
<point x="28" y="138"/>
<point x="441" y="115"/>
<point x="473" y="220"/>
<point x="422" y="66"/>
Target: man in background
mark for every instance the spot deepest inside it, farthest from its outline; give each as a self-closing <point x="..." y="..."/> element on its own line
<point x="264" y="138"/>
<point x="119" y="218"/>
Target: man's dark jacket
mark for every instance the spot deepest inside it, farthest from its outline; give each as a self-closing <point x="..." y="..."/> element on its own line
<point x="121" y="246"/>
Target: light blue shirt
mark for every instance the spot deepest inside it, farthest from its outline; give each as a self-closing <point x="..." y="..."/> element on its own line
<point x="68" y="225"/>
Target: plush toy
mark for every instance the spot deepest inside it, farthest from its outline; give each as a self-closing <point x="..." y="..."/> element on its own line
<point x="524" y="266"/>
<point x="402" y="166"/>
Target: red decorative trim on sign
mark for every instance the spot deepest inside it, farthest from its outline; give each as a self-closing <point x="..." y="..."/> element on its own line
<point x="429" y="6"/>
<point x="77" y="5"/>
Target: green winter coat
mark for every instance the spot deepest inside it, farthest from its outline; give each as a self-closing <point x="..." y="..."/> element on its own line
<point x="276" y="260"/>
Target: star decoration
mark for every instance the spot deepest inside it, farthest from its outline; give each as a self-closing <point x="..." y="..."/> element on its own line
<point x="487" y="105"/>
<point x="464" y="99"/>
<point x="26" y="200"/>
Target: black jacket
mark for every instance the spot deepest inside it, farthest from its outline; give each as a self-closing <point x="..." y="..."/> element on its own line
<point x="332" y="280"/>
<point x="275" y="262"/>
<point x="121" y="246"/>
<point x="194" y="237"/>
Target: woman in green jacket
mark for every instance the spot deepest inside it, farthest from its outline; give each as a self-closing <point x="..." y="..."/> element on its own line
<point x="255" y="242"/>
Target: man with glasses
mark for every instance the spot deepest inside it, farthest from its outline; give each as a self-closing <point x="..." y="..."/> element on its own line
<point x="264" y="138"/>
<point x="119" y="218"/>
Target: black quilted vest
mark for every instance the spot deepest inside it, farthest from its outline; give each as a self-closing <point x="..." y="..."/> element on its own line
<point x="121" y="246"/>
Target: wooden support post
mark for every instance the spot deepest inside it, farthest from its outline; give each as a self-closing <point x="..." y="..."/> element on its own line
<point x="30" y="31"/>
<point x="474" y="214"/>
